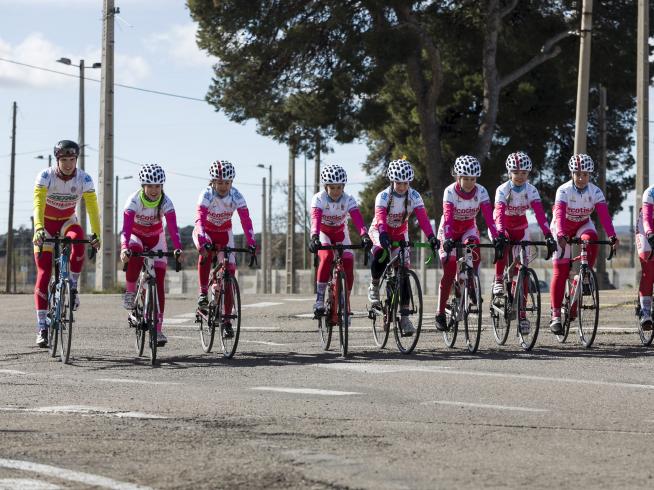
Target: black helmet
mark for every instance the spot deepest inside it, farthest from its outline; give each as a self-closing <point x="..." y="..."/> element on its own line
<point x="66" y="148"/>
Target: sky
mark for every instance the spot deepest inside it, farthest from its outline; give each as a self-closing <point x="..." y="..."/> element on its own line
<point x="155" y="49"/>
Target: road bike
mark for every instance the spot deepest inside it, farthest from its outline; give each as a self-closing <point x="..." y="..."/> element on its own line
<point x="582" y="303"/>
<point x="61" y="297"/>
<point x="465" y="301"/>
<point x="521" y="300"/>
<point x="222" y="285"/>
<point x="646" y="336"/>
<point x="402" y="297"/>
<point x="145" y="314"/>
<point x="337" y="300"/>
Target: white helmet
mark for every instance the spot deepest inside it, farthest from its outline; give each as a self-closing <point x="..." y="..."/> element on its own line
<point x="152" y="173"/>
<point x="400" y="171"/>
<point x="222" y="170"/>
<point x="581" y="163"/>
<point x="518" y="161"/>
<point x="467" y="166"/>
<point x="333" y="174"/>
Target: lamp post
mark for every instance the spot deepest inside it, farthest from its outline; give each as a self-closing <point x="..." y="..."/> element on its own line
<point x="80" y="138"/>
<point x="267" y="246"/>
<point x="117" y="237"/>
<point x="41" y="157"/>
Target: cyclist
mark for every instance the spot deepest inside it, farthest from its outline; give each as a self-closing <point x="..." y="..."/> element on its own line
<point x="512" y="200"/>
<point x="462" y="201"/>
<point x="574" y="203"/>
<point x="393" y="206"/>
<point x="213" y="225"/>
<point x="57" y="191"/>
<point x="329" y="210"/>
<point x="143" y="230"/>
<point x="644" y="245"/>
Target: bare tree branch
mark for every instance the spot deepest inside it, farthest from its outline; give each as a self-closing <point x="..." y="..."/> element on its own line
<point x="508" y="9"/>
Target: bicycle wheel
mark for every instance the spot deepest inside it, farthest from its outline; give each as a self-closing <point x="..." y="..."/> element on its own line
<point x="206" y="319"/>
<point x="452" y="310"/>
<point x="472" y="312"/>
<point x="54" y="315"/>
<point x="137" y="319"/>
<point x="501" y="317"/>
<point x="409" y="305"/>
<point x="588" y="308"/>
<point x="232" y="317"/>
<point x="380" y="318"/>
<point x="528" y="307"/>
<point x="343" y="309"/>
<point x="66" y="322"/>
<point x="151" y="318"/>
<point x="565" y="314"/>
<point x="324" y="326"/>
<point x="646" y="336"/>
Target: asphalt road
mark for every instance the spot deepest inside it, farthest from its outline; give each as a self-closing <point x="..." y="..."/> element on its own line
<point x="284" y="414"/>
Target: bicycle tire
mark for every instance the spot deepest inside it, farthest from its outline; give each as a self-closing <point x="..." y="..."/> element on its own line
<point x="472" y="312"/>
<point x="529" y="304"/>
<point x="646" y="336"/>
<point x="229" y="344"/>
<point x="406" y="344"/>
<point x="151" y="320"/>
<point x="53" y="325"/>
<point x="137" y="313"/>
<point x="565" y="314"/>
<point x="324" y="326"/>
<point x="380" y="318"/>
<point x="586" y="303"/>
<point x="501" y="319"/>
<point x="66" y="323"/>
<point x="343" y="309"/>
<point x="452" y="309"/>
<point x="208" y="323"/>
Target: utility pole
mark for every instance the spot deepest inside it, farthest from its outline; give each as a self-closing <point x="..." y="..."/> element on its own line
<point x="602" y="275"/>
<point x="290" y="220"/>
<point x="632" y="234"/>
<point x="105" y="264"/>
<point x="264" y="237"/>
<point x="581" y="122"/>
<point x="304" y="221"/>
<point x="316" y="189"/>
<point x="270" y="233"/>
<point x="642" y="111"/>
<point x="10" y="231"/>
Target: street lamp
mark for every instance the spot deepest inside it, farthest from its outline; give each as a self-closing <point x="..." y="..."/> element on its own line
<point x="66" y="61"/>
<point x="117" y="237"/>
<point x="267" y="245"/>
<point x="41" y="157"/>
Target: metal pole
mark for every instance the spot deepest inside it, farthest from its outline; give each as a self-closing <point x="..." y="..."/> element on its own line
<point x="81" y="160"/>
<point x="581" y="122"/>
<point x="642" y="102"/>
<point x="316" y="189"/>
<point x="115" y="240"/>
<point x="631" y="241"/>
<point x="602" y="276"/>
<point x="290" y="221"/>
<point x="264" y="238"/>
<point x="306" y="217"/>
<point x="10" y="227"/>
<point x="106" y="261"/>
<point x="270" y="235"/>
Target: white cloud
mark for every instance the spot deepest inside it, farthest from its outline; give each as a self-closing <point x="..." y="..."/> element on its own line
<point x="179" y="43"/>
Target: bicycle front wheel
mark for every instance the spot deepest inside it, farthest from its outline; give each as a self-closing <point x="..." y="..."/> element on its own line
<point x="207" y="320"/>
<point x="408" y="303"/>
<point x="136" y="319"/>
<point x="230" y="326"/>
<point x="500" y="312"/>
<point x="452" y="311"/>
<point x="565" y="314"/>
<point x="151" y="318"/>
<point x="343" y="312"/>
<point x="528" y="308"/>
<point x="324" y="326"/>
<point x="54" y="314"/>
<point x="646" y="336"/>
<point x="380" y="318"/>
<point x="66" y="322"/>
<point x="588" y="307"/>
<point x="472" y="312"/>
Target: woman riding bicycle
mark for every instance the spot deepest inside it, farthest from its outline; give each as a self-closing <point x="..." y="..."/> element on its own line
<point x="213" y="226"/>
<point x="393" y="207"/>
<point x="57" y="191"/>
<point x="512" y="200"/>
<point x="574" y="203"/>
<point x="143" y="230"/>
<point x="462" y="201"/>
<point x="645" y="245"/>
<point x="329" y="211"/>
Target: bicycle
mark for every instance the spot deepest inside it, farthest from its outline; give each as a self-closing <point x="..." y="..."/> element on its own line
<point x="229" y="322"/>
<point x="579" y="300"/>
<point x="465" y="301"/>
<point x="145" y="314"/>
<point x="61" y="298"/>
<point x="646" y="336"/>
<point x="513" y="305"/>
<point x="403" y="298"/>
<point x="337" y="300"/>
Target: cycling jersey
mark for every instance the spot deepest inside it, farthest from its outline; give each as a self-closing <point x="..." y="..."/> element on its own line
<point x="511" y="205"/>
<point x="460" y="211"/>
<point x="214" y="213"/>
<point x="392" y="211"/>
<point x="647" y="211"/>
<point x="146" y="221"/>
<point x="330" y="215"/>
<point x="573" y="207"/>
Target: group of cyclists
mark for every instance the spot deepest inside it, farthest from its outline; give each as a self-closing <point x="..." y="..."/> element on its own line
<point x="58" y="190"/>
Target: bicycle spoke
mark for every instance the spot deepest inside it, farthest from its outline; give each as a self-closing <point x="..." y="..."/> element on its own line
<point x="407" y="312"/>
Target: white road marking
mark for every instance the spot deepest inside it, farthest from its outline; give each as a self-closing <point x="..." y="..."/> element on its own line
<point x="262" y="342"/>
<point x="84" y="410"/>
<point x="379" y="368"/>
<point x="185" y="315"/>
<point x="483" y="405"/>
<point x="182" y="337"/>
<point x="175" y="321"/>
<point x="355" y="314"/>
<point x="135" y="381"/>
<point x="26" y="484"/>
<point x="64" y="474"/>
<point x="11" y="371"/>
<point x="305" y="391"/>
<point x="263" y="304"/>
<point x="299" y="299"/>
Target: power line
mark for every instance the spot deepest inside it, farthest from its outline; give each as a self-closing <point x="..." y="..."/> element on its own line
<point x="131" y="87"/>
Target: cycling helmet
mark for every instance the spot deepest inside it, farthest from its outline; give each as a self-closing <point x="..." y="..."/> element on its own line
<point x="581" y="163"/>
<point x="66" y="148"/>
<point x="518" y="161"/>
<point x="400" y="171"/>
<point x="152" y="173"/>
<point x="467" y="166"/>
<point x="333" y="174"/>
<point x="222" y="170"/>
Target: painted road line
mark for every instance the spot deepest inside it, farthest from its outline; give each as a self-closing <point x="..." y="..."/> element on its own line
<point x="299" y="299"/>
<point x="305" y="391"/>
<point x="175" y="321"/>
<point x="64" y="474"/>
<point x="84" y="411"/>
<point x="263" y="304"/>
<point x="135" y="381"/>
<point x="371" y="368"/>
<point x="12" y="372"/>
<point x="483" y="405"/>
<point x="186" y="337"/>
<point x="185" y="315"/>
<point x="355" y="314"/>
<point x="262" y="342"/>
<point x="26" y="484"/>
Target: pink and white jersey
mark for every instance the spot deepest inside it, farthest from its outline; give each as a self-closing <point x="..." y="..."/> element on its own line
<point x="647" y="212"/>
<point x="63" y="195"/>
<point x="573" y="207"/>
<point x="460" y="210"/>
<point x="325" y="212"/>
<point x="214" y="212"/>
<point x="143" y="221"/>
<point x="394" y="219"/>
<point x="511" y="205"/>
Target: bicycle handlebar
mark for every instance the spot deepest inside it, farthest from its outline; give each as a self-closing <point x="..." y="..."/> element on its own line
<point x="341" y="247"/>
<point x="211" y="247"/>
<point x="154" y="253"/>
<point x="459" y="244"/>
<point x="72" y="241"/>
<point x="408" y="244"/>
<point x="579" y="241"/>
